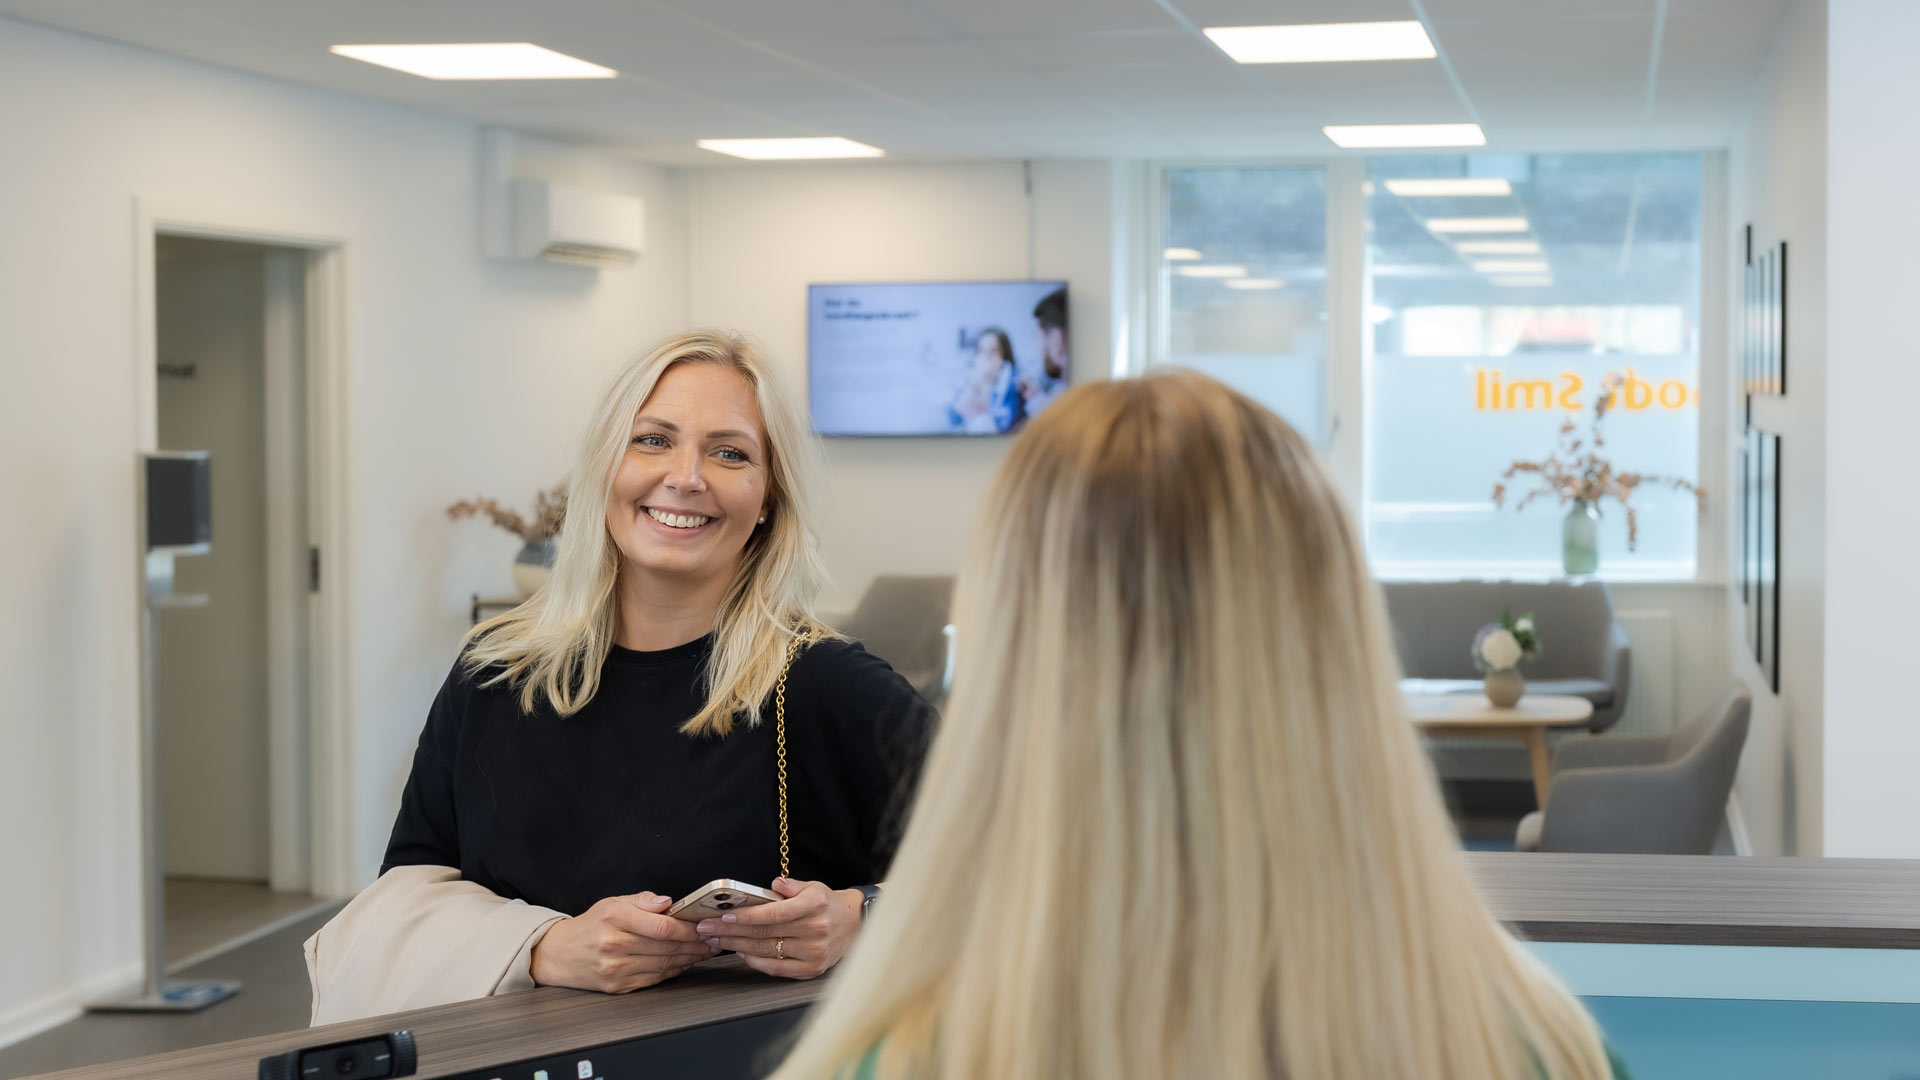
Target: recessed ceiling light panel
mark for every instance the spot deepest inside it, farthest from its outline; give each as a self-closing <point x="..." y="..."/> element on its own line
<point x="1448" y="188"/>
<point x="1211" y="271"/>
<point x="1386" y="136"/>
<point x="1498" y="247"/>
<point x="1477" y="224"/>
<point x="1511" y="266"/>
<point x="1524" y="280"/>
<point x="1183" y="255"/>
<point x="791" y="149"/>
<point x="1323" y="42"/>
<point x="1253" y="283"/>
<point x="483" y="60"/>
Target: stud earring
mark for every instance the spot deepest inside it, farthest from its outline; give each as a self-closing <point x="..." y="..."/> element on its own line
<point x="763" y="519"/>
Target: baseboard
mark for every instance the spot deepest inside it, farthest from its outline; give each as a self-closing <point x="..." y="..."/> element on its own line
<point x="50" y="1012"/>
<point x="1737" y="826"/>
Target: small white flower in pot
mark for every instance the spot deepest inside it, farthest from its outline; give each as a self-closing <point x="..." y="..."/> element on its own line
<point x="1501" y="650"/>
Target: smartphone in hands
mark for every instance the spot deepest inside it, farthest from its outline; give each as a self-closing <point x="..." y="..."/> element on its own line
<point x="717" y="897"/>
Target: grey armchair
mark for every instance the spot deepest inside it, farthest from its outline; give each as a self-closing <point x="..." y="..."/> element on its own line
<point x="902" y="619"/>
<point x="1586" y="652"/>
<point x="1643" y="794"/>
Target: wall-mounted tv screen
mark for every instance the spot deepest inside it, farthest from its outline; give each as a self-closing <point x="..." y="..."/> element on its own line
<point x="935" y="358"/>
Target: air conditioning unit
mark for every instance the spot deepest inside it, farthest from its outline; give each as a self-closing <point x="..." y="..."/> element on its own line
<point x="574" y="225"/>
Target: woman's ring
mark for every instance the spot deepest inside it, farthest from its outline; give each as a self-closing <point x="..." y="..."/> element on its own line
<point x="780" y="948"/>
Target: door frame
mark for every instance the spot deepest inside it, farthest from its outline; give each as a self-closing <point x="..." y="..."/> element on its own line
<point x="310" y="757"/>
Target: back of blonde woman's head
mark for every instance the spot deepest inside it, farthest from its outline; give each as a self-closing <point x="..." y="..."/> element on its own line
<point x="1175" y="822"/>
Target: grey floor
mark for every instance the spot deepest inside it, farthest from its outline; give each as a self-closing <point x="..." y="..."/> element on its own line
<point x="1487" y="812"/>
<point x="1487" y="833"/>
<point x="205" y="917"/>
<point x="275" y="998"/>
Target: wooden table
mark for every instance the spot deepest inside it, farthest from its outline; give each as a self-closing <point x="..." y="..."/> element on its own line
<point x="1473" y="715"/>
<point x="1640" y="899"/>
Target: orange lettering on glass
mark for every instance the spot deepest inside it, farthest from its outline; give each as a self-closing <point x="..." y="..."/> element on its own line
<point x="1492" y="393"/>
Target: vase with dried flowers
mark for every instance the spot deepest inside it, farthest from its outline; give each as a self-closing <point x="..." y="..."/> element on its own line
<point x="1578" y="474"/>
<point x="534" y="563"/>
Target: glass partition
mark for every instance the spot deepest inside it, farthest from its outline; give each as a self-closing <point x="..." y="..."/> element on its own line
<point x="1503" y="291"/>
<point x="1243" y="280"/>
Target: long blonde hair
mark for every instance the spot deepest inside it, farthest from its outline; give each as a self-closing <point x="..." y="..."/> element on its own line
<point x="1176" y="822"/>
<point x="552" y="647"/>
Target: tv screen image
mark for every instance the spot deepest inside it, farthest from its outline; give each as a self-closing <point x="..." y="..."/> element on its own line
<point x="935" y="358"/>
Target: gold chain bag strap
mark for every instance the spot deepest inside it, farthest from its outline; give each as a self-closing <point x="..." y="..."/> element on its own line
<point x="780" y="744"/>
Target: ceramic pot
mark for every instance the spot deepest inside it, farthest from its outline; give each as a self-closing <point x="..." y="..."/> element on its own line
<point x="534" y="565"/>
<point x="1505" y="687"/>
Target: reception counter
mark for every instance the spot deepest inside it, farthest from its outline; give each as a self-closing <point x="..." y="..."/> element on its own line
<point x="725" y="1020"/>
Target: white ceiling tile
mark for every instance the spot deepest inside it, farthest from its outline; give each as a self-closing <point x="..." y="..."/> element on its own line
<point x="1408" y="80"/>
<point x="1543" y="36"/>
<point x="1218" y="116"/>
<point x="1762" y="11"/>
<point x="815" y="103"/>
<point x="839" y="20"/>
<point x="1732" y="88"/>
<point x="1716" y="35"/>
<point x="340" y="22"/>
<point x="1174" y="82"/>
<point x="695" y="68"/>
<point x="1577" y="106"/>
<point x="897" y="58"/>
<point x="1005" y="18"/>
<point x="1072" y="51"/>
<point x="1442" y="10"/>
<point x="1107" y="146"/>
<point x="1480" y="71"/>
<point x="1259" y="145"/>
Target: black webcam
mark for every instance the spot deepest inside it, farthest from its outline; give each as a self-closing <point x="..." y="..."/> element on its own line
<point x="370" y="1058"/>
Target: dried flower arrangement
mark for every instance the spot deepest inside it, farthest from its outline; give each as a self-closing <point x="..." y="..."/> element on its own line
<point x="1577" y="476"/>
<point x="549" y="512"/>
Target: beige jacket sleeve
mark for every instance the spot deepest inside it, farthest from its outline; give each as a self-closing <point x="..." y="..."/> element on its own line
<point x="419" y="936"/>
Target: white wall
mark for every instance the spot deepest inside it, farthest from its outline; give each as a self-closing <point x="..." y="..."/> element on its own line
<point x="761" y="235"/>
<point x="1777" y="181"/>
<point x="1872" y="382"/>
<point x="211" y="662"/>
<point x="465" y="377"/>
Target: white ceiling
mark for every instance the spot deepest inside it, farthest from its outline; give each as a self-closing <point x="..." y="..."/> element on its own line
<point x="1004" y="78"/>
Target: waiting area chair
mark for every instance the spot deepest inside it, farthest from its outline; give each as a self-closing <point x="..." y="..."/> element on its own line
<point x="1643" y="794"/>
<point x="1585" y="651"/>
<point x="903" y="619"/>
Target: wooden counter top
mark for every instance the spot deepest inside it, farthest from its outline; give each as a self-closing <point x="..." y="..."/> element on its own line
<point x="1668" y="900"/>
<point x="488" y="1031"/>
<point x="1704" y="899"/>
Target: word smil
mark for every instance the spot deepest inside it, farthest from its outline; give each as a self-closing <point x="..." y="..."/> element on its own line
<point x="1492" y="394"/>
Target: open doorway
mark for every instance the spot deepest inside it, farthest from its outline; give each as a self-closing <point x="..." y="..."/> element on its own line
<point x="234" y="677"/>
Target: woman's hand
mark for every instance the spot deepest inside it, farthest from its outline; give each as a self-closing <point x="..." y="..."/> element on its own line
<point x="796" y="938"/>
<point x="621" y="943"/>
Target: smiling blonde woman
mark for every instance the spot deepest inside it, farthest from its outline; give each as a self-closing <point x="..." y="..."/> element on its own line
<point x="606" y="746"/>
<point x="1175" y="823"/>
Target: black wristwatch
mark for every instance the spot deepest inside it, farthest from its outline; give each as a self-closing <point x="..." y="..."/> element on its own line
<point x="872" y="893"/>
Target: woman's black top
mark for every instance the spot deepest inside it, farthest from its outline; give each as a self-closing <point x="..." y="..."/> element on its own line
<point x="565" y="811"/>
